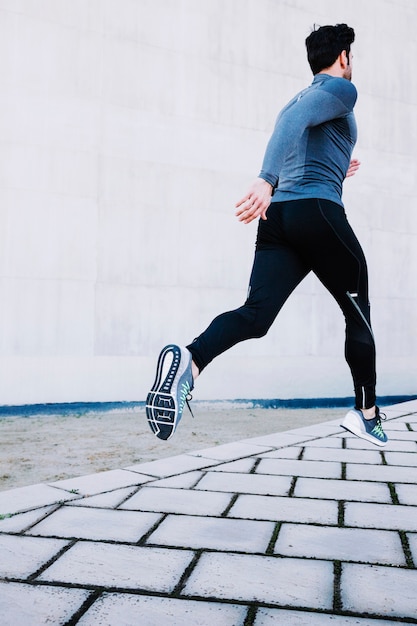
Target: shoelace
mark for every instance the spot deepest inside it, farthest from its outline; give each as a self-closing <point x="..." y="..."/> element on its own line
<point x="377" y="429"/>
<point x="378" y="426"/>
<point x="188" y="400"/>
<point x="186" y="397"/>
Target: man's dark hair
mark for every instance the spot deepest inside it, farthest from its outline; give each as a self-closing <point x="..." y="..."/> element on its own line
<point x="326" y="43"/>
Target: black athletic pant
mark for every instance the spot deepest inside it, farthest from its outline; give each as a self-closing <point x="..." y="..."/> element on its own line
<point x="300" y="236"/>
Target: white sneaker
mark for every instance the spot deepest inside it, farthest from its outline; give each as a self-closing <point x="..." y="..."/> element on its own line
<point x="371" y="430"/>
<point x="170" y="392"/>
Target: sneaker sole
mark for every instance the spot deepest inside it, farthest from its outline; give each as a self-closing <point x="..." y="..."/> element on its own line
<point x="362" y="435"/>
<point x="161" y="407"/>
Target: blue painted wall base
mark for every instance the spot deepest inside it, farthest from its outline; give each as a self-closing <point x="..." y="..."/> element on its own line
<point x="83" y="408"/>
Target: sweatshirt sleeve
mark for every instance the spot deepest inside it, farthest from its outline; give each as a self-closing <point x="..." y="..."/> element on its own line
<point x="312" y="107"/>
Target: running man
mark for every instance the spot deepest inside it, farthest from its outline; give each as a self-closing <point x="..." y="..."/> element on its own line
<point x="302" y="228"/>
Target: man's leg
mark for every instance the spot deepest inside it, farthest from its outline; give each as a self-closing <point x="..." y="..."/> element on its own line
<point x="275" y="274"/>
<point x="337" y="259"/>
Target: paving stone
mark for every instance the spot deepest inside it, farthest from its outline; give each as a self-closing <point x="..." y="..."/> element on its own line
<point x="172" y="465"/>
<point x="354" y="443"/>
<point x="274" y="617"/>
<point x="278" y="440"/>
<point x="242" y="466"/>
<point x="230" y="451"/>
<point x="108" y="500"/>
<point x="400" y="435"/>
<point x="195" y="490"/>
<point x="282" y="453"/>
<point x="97" y="524"/>
<point x="327" y="429"/>
<point x="336" y="422"/>
<point x="382" y="473"/>
<point x="314" y="469"/>
<point x="345" y="544"/>
<point x="26" y="498"/>
<point x="125" y="610"/>
<point x="407" y="494"/>
<point x="343" y="456"/>
<point x="275" y="508"/>
<point x="245" y="483"/>
<point x="387" y="591"/>
<point x="395" y="415"/>
<point x="252" y="578"/>
<point x="102" y="482"/>
<point x="342" y="490"/>
<point x="183" y="481"/>
<point x="24" y="605"/>
<point x="119" y="567"/>
<point x="401" y="458"/>
<point x="387" y="516"/>
<point x="412" y="540"/>
<point x="213" y="533"/>
<point x="398" y="413"/>
<point x="328" y="442"/>
<point x="182" y="501"/>
<point x="401" y="408"/>
<point x="22" y="521"/>
<point x="22" y="556"/>
<point x="395" y="425"/>
<point x="402" y="416"/>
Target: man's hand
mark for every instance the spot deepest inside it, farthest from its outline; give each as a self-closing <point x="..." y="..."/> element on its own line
<point x="255" y="203"/>
<point x="353" y="167"/>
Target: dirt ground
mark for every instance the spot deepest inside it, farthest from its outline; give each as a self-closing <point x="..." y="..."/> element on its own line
<point x="46" y="448"/>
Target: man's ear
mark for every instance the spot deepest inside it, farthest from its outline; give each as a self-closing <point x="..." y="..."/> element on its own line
<point x="344" y="59"/>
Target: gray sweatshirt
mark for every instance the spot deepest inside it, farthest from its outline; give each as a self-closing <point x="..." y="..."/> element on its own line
<point x="310" y="149"/>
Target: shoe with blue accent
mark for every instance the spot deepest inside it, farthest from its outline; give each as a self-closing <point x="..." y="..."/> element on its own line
<point x="170" y="392"/>
<point x="371" y="430"/>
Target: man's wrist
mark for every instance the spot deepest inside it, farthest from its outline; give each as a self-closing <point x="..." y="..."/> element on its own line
<point x="268" y="179"/>
<point x="264" y="180"/>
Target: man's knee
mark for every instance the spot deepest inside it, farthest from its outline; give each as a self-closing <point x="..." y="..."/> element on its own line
<point x="257" y="325"/>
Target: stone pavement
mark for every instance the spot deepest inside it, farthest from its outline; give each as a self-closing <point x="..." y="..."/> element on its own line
<point x="311" y="526"/>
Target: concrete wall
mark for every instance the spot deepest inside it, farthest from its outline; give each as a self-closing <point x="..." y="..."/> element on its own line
<point x="128" y="130"/>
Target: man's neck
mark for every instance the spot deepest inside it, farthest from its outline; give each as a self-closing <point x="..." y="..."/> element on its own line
<point x="332" y="71"/>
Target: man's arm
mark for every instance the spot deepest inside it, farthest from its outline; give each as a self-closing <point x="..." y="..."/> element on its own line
<point x="313" y="107"/>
